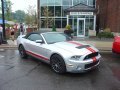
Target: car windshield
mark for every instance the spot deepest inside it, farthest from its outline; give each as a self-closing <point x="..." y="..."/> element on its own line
<point x="55" y="37"/>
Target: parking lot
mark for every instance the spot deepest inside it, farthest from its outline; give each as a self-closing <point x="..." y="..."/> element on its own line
<point x="31" y="74"/>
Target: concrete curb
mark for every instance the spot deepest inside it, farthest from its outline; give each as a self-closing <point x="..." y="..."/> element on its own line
<point x="15" y="47"/>
<point x="105" y="51"/>
<point x="8" y="46"/>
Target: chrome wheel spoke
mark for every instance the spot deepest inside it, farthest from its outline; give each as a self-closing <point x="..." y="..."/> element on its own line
<point x="56" y="65"/>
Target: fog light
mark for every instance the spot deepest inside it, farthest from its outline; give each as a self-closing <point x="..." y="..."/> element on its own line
<point x="70" y="65"/>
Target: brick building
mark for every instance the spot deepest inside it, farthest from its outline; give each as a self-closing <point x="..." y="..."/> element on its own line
<point x="108" y="15"/>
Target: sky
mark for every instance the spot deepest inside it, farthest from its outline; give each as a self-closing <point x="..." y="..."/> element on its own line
<point x="22" y="4"/>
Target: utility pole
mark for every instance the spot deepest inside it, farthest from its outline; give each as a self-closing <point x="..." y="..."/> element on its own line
<point x="38" y="14"/>
<point x="3" y="20"/>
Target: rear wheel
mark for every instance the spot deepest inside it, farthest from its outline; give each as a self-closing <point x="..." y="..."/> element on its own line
<point x="22" y="51"/>
<point x="58" y="64"/>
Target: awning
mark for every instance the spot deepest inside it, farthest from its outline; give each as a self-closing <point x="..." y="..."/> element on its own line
<point x="1" y="21"/>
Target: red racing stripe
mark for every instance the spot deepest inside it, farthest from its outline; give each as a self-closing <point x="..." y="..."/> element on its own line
<point x="94" y="59"/>
<point x="36" y="55"/>
<point x="90" y="49"/>
<point x="93" y="51"/>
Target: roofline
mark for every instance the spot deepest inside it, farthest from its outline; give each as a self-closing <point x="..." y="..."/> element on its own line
<point x="77" y="5"/>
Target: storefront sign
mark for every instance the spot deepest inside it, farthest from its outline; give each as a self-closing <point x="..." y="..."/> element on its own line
<point x="81" y="13"/>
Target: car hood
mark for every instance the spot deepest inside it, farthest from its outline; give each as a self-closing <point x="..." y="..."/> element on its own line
<point x="75" y="47"/>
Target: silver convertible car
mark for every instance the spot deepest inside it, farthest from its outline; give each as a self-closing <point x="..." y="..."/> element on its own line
<point x="61" y="52"/>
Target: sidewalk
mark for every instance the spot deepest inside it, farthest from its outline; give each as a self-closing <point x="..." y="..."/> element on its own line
<point x="10" y="45"/>
<point x="102" y="45"/>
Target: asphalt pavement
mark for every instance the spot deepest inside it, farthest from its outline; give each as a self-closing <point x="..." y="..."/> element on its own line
<point x="31" y="74"/>
<point x="104" y="45"/>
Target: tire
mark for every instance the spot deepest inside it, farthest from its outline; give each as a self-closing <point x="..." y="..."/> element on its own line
<point x="22" y="52"/>
<point x="57" y="64"/>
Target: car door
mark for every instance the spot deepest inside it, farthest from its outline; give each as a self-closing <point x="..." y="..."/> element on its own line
<point x="37" y="50"/>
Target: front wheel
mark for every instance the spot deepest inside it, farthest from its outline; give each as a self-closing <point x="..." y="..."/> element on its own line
<point x="57" y="64"/>
<point x="22" y="51"/>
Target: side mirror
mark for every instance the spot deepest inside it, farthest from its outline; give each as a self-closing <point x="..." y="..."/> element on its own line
<point x="39" y="41"/>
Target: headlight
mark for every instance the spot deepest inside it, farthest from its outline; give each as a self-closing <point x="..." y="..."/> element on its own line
<point x="75" y="57"/>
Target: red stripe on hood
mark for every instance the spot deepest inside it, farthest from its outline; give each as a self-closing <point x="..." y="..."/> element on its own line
<point x="93" y="51"/>
<point x="90" y="49"/>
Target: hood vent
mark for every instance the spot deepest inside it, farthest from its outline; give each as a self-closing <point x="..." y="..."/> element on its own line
<point x="83" y="46"/>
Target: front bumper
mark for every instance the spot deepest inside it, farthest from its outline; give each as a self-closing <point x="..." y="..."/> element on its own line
<point x="82" y="66"/>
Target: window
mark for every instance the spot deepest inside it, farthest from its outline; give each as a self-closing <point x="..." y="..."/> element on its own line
<point x="43" y="23"/>
<point x="63" y="10"/>
<point x="47" y="22"/>
<point x="50" y="22"/>
<point x="51" y="11"/>
<point x="43" y="2"/>
<point x="58" y="2"/>
<point x="58" y="22"/>
<point x="67" y="2"/>
<point x="51" y="2"/>
<point x="34" y="37"/>
<point x="70" y="21"/>
<point x="64" y="22"/>
<point x="75" y="2"/>
<point x="75" y="25"/>
<point x="90" y="24"/>
<point x="44" y="11"/>
<point x="47" y="11"/>
<point x="91" y="2"/>
<point x="70" y="2"/>
<point x="58" y="11"/>
<point x="83" y="2"/>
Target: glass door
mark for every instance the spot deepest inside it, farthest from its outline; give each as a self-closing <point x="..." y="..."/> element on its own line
<point x="81" y="27"/>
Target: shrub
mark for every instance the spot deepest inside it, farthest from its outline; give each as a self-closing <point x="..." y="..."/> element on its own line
<point x="107" y="30"/>
<point x="68" y="27"/>
<point x="105" y="35"/>
<point x="53" y="28"/>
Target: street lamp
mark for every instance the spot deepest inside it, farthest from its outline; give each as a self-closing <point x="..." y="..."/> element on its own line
<point x="3" y="20"/>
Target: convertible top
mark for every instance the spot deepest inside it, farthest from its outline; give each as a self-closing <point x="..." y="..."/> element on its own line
<point x="37" y="32"/>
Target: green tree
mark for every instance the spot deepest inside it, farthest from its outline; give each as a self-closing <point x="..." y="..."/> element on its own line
<point x="31" y="16"/>
<point x="48" y="21"/>
<point x="8" y="10"/>
<point x="53" y="28"/>
<point x="19" y="16"/>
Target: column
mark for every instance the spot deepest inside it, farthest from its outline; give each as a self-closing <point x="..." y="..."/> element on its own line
<point x="94" y="22"/>
<point x="67" y="19"/>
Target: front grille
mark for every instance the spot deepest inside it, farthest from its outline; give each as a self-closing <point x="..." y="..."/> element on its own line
<point x="91" y="55"/>
<point x="91" y="64"/>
